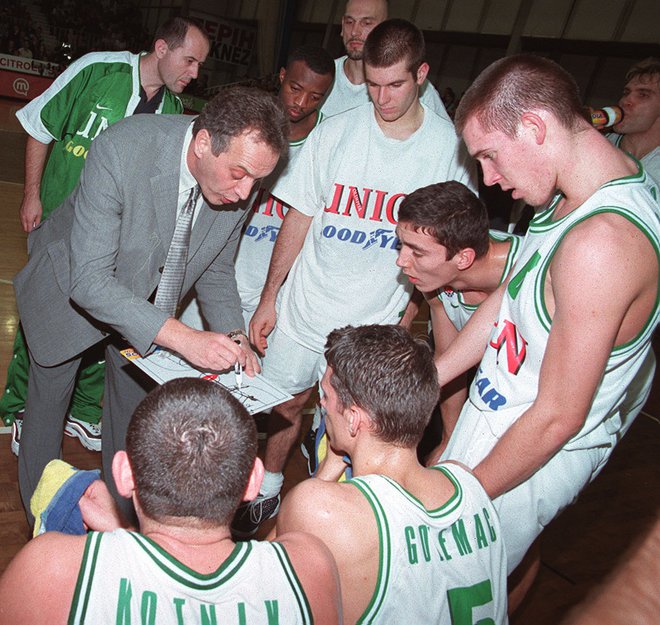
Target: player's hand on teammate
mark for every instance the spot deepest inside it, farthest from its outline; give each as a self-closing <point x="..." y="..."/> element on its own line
<point x="332" y="466"/>
<point x="262" y="324"/>
<point x="30" y="212"/>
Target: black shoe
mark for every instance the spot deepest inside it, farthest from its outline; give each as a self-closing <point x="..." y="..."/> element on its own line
<point x="251" y="514"/>
<point x="261" y="421"/>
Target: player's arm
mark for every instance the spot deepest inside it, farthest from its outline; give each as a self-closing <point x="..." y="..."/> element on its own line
<point x="287" y="247"/>
<point x="412" y="310"/>
<point x="332" y="467"/>
<point x="317" y="571"/>
<point x="38" y="584"/>
<point x="468" y="348"/>
<point x="339" y="516"/>
<point x="35" y="159"/>
<point x="316" y="507"/>
<point x="454" y="392"/>
<point x="44" y="119"/>
<point x="597" y="258"/>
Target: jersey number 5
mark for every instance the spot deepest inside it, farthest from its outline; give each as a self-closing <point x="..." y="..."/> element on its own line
<point x="462" y="600"/>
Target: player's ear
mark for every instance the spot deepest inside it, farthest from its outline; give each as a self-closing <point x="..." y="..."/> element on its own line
<point x="422" y="73"/>
<point x="282" y="74"/>
<point x="254" y="481"/>
<point x="534" y="123"/>
<point x="358" y="419"/>
<point x="161" y="48"/>
<point x="122" y="472"/>
<point x="465" y="258"/>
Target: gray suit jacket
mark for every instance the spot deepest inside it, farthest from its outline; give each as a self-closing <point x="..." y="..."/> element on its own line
<point x="94" y="263"/>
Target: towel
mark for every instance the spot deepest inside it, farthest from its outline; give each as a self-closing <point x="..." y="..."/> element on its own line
<point x="54" y="503"/>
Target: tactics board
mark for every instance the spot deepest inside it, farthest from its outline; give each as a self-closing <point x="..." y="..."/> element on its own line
<point x="256" y="394"/>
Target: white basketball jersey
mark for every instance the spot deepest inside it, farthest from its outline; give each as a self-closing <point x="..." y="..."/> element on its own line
<point x="458" y="311"/>
<point x="446" y="565"/>
<point x="506" y="382"/>
<point x="126" y="578"/>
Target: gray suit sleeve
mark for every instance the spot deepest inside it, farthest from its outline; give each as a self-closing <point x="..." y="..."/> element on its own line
<point x="103" y="199"/>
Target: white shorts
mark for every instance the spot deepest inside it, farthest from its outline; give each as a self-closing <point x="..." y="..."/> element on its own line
<point x="525" y="510"/>
<point x="192" y="315"/>
<point x="289" y="365"/>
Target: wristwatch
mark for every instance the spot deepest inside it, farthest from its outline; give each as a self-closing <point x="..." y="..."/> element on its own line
<point x="235" y="335"/>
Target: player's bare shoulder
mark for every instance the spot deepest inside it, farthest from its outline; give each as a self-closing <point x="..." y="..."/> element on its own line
<point x="607" y="254"/>
<point x="315" y="503"/>
<point x="609" y="242"/>
<point x="42" y="579"/>
<point x="317" y="571"/>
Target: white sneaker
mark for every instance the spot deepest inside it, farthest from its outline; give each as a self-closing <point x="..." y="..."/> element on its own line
<point x="16" y="429"/>
<point x="89" y="434"/>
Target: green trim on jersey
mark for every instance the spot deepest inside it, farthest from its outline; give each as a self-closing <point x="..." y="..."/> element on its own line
<point x="447" y="508"/>
<point x="544" y="220"/>
<point x="187" y="576"/>
<point x="639" y="176"/>
<point x="385" y="553"/>
<point x="294" y="582"/>
<point x="181" y="573"/>
<point x="79" y="604"/>
<point x="500" y="237"/>
<point x="385" y="543"/>
<point x="297" y="142"/>
<point x="539" y="291"/>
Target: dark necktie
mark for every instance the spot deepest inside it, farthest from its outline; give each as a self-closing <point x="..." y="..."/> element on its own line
<point x="169" y="287"/>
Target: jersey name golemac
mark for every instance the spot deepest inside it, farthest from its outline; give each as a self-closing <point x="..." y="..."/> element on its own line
<point x="441" y="565"/>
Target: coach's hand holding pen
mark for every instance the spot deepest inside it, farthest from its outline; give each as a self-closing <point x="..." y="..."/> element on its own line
<point x="251" y="365"/>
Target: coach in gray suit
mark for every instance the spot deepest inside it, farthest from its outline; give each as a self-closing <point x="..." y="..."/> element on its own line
<point x="95" y="264"/>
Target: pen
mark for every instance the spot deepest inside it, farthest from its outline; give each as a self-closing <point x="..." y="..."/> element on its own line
<point x="238" y="372"/>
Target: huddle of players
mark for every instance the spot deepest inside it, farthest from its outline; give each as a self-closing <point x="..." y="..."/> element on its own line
<point x="337" y="272"/>
<point x="399" y="541"/>
<point x="379" y="385"/>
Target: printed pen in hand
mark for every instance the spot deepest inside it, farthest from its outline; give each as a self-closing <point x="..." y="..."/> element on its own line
<point x="238" y="372"/>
